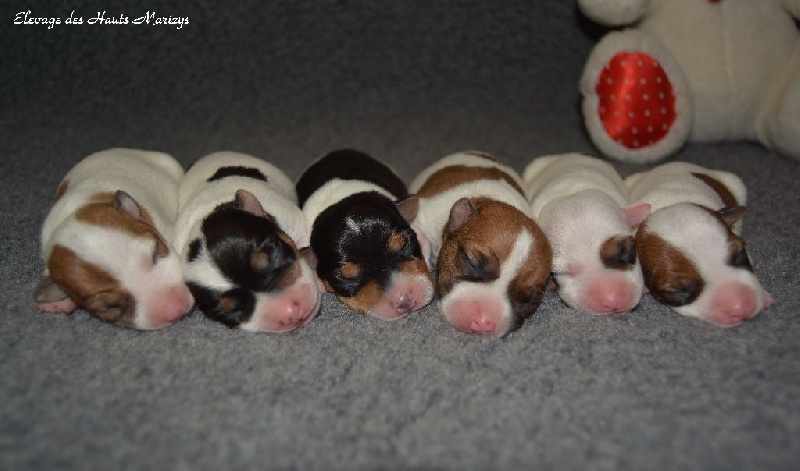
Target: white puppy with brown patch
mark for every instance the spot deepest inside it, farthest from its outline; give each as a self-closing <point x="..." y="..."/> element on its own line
<point x="492" y="260"/>
<point x="692" y="256"/>
<point x="105" y="242"/>
<point x="581" y="204"/>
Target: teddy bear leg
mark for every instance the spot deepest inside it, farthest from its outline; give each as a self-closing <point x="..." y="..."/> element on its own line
<point x="783" y="123"/>
<point x="636" y="103"/>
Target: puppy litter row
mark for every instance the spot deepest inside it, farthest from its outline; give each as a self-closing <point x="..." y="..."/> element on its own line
<point x="137" y="242"/>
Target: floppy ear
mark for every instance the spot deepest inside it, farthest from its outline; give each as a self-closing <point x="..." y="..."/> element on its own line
<point x="246" y="201"/>
<point x="636" y="213"/>
<point x="731" y="215"/>
<point x="125" y="202"/>
<point x="461" y="212"/>
<point x="408" y="207"/>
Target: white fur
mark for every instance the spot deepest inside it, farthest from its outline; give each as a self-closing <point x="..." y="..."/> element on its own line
<point x="743" y="83"/>
<point x="334" y="191"/>
<point x="673" y="183"/>
<point x="199" y="197"/>
<point x="674" y="194"/>
<point x="434" y="212"/>
<point x="152" y="180"/>
<point x="578" y="202"/>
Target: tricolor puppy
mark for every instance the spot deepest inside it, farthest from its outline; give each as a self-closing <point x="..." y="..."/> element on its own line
<point x="105" y="241"/>
<point x="239" y="229"/>
<point x="367" y="254"/>
<point x="492" y="260"/>
<point x="692" y="257"/>
<point x="581" y="204"/>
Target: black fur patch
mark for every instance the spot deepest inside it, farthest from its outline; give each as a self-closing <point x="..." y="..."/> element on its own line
<point x="357" y="230"/>
<point x="231" y="308"/>
<point x="194" y="250"/>
<point x="237" y="171"/>
<point x="348" y="164"/>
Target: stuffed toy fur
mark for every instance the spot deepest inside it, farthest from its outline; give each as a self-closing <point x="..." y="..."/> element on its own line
<point x="700" y="70"/>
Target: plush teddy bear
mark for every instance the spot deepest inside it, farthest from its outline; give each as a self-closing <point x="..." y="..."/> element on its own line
<point x="705" y="70"/>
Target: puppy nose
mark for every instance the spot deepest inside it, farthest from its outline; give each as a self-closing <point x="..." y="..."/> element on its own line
<point x="482" y="325"/>
<point x="404" y="304"/>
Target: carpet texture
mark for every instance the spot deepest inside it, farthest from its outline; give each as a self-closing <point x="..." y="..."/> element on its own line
<point x="407" y="82"/>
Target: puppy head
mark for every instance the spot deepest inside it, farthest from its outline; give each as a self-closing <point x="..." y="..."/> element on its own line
<point x="108" y="259"/>
<point x="694" y="263"/>
<point x="492" y="268"/>
<point x="368" y="255"/>
<point x="594" y="258"/>
<point x="245" y="272"/>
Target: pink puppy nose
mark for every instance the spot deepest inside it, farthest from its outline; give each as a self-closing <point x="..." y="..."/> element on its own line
<point x="173" y="305"/>
<point x="294" y="313"/>
<point x="610" y="297"/>
<point x="734" y="304"/>
<point x="482" y="325"/>
<point x="404" y="304"/>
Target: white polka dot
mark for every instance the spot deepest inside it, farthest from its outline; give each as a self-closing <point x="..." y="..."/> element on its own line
<point x="609" y="80"/>
<point x="616" y="114"/>
<point x="664" y="126"/>
<point x="640" y="63"/>
<point x="630" y="114"/>
<point x="635" y="130"/>
<point x="628" y="98"/>
<point x="650" y="129"/>
<point x="613" y="97"/>
<point x="663" y="111"/>
<point x="645" y="96"/>
<point x="643" y="81"/>
<point x="602" y="109"/>
<point x="635" y="143"/>
<point x="659" y="80"/>
<point x="647" y="112"/>
<point x="661" y="95"/>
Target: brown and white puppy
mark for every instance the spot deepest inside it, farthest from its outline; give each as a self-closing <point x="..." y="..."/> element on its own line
<point x="692" y="256"/>
<point x="105" y="242"/>
<point x="357" y="210"/>
<point x="492" y="260"/>
<point x="581" y="204"/>
<point x="238" y="230"/>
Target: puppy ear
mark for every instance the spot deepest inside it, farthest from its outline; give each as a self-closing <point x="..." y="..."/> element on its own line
<point x="125" y="202"/>
<point x="309" y="256"/>
<point x="408" y="207"/>
<point x="731" y="215"/>
<point x="636" y="213"/>
<point x="246" y="201"/>
<point x="461" y="212"/>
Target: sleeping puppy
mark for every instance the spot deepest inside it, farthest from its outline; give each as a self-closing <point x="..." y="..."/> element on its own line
<point x="357" y="210"/>
<point x="239" y="229"/>
<point x="582" y="206"/>
<point x="692" y="257"/>
<point x="492" y="260"/>
<point x="112" y="203"/>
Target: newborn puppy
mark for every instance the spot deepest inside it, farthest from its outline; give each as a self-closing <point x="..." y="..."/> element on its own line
<point x="367" y="254"/>
<point x="582" y="206"/>
<point x="239" y="229"/>
<point x="692" y="257"/>
<point x="492" y="260"/>
<point x="105" y="241"/>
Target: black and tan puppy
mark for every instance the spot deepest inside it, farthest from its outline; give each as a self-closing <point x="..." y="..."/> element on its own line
<point x="357" y="211"/>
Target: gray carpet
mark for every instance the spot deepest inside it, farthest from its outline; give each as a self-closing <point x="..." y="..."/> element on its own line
<point x="408" y="82"/>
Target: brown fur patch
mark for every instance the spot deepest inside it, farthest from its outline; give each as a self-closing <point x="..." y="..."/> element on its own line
<point x="291" y="275"/>
<point x="728" y="200"/>
<point x="62" y="188"/>
<point x="455" y="175"/>
<point x="365" y="298"/>
<point x="416" y="268"/>
<point x="396" y="242"/>
<point x="92" y="288"/>
<point x="350" y="270"/>
<point x="671" y="277"/>
<point x="100" y="211"/>
<point x="619" y="252"/>
<point x="491" y="234"/>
